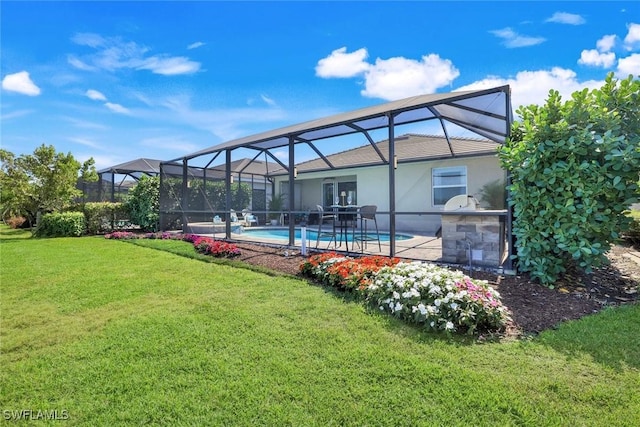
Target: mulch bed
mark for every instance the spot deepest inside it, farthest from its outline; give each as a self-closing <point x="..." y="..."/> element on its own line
<point x="534" y="307"/>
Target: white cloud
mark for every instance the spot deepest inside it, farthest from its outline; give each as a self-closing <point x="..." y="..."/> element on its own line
<point x="116" y="108"/>
<point x="80" y="65"/>
<point x="16" y="114"/>
<point x="566" y="18"/>
<point x="169" y="142"/>
<point x="169" y="66"/>
<point x="226" y="124"/>
<point x="84" y="124"/>
<point x="268" y="100"/>
<point x="594" y="58"/>
<point x="95" y="95"/>
<point x="629" y="65"/>
<point x="113" y="54"/>
<point x="88" y="39"/>
<point x="86" y="142"/>
<point x="342" y="64"/>
<point x="511" y="39"/>
<point x="195" y="45"/>
<point x="392" y="78"/>
<point x="399" y="77"/>
<point x="633" y="36"/>
<point x="20" y="83"/>
<point x="102" y="161"/>
<point x="606" y="43"/>
<point x="532" y="87"/>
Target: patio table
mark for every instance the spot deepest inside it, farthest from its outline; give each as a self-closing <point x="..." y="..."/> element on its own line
<point x="347" y="217"/>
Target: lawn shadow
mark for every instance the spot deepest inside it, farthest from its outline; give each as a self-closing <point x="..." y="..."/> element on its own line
<point x="610" y="337"/>
<point x="7" y="234"/>
<point x="415" y="332"/>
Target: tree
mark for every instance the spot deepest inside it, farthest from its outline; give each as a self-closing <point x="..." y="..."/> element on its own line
<point x="574" y="168"/>
<point x="42" y="182"/>
<point x="143" y="203"/>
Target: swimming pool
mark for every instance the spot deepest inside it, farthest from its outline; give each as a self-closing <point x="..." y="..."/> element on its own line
<point x="312" y="235"/>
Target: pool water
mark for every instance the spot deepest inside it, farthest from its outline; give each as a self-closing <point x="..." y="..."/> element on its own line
<point x="312" y="235"/>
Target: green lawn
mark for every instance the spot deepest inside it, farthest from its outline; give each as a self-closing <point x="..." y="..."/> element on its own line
<point x="115" y="333"/>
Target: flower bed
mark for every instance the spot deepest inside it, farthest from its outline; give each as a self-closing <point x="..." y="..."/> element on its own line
<point x="421" y="293"/>
<point x="203" y="245"/>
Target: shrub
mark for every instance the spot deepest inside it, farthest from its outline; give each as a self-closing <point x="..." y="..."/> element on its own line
<point x="344" y="272"/>
<point x="574" y="168"/>
<point x="216" y="248"/>
<point x="15" y="221"/>
<point x="100" y="216"/>
<point x="143" y="203"/>
<point x="439" y="298"/>
<point x="203" y="245"/>
<point x="419" y="293"/>
<point x="122" y="235"/>
<point x="66" y="224"/>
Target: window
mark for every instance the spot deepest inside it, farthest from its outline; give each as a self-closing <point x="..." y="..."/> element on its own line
<point x="332" y="192"/>
<point x="349" y="189"/>
<point x="448" y="182"/>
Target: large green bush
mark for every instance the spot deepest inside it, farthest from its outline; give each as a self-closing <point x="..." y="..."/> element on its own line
<point x="574" y="167"/>
<point x="101" y="216"/>
<point x="42" y="182"/>
<point x="143" y="203"/>
<point x="65" y="224"/>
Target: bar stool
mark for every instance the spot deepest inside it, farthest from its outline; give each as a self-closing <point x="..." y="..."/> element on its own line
<point x="367" y="214"/>
<point x="322" y="233"/>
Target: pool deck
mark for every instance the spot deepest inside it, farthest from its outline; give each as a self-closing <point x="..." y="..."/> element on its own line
<point x="419" y="247"/>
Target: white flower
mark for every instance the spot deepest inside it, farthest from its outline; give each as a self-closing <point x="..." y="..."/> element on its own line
<point x="423" y="309"/>
<point x="437" y="303"/>
<point x="449" y="326"/>
<point x="398" y="307"/>
<point x="454" y="306"/>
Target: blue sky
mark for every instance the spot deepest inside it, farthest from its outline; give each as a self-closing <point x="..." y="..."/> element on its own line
<point x="121" y="80"/>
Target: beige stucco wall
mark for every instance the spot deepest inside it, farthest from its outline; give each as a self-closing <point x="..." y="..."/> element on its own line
<point x="413" y="188"/>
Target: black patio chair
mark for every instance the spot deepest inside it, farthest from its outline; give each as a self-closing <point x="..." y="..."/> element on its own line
<point x="367" y="215"/>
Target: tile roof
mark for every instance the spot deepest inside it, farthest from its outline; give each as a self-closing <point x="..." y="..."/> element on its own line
<point x="408" y="148"/>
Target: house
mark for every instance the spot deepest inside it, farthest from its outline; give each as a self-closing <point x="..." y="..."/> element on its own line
<point x="430" y="170"/>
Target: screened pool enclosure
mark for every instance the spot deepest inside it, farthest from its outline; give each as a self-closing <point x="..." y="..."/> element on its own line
<point x="404" y="157"/>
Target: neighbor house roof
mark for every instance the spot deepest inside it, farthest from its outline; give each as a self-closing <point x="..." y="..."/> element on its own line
<point x="485" y="112"/>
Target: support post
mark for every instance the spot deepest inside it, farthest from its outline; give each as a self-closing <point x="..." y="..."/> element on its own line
<point x="227" y="227"/>
<point x="392" y="188"/>
<point x="185" y="196"/>
<point x="292" y="223"/>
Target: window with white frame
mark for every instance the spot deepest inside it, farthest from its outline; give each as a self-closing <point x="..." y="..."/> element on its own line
<point x="448" y="182"/>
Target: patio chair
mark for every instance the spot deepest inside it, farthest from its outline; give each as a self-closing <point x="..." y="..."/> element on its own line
<point x="249" y="218"/>
<point x="322" y="233"/>
<point x="367" y="214"/>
